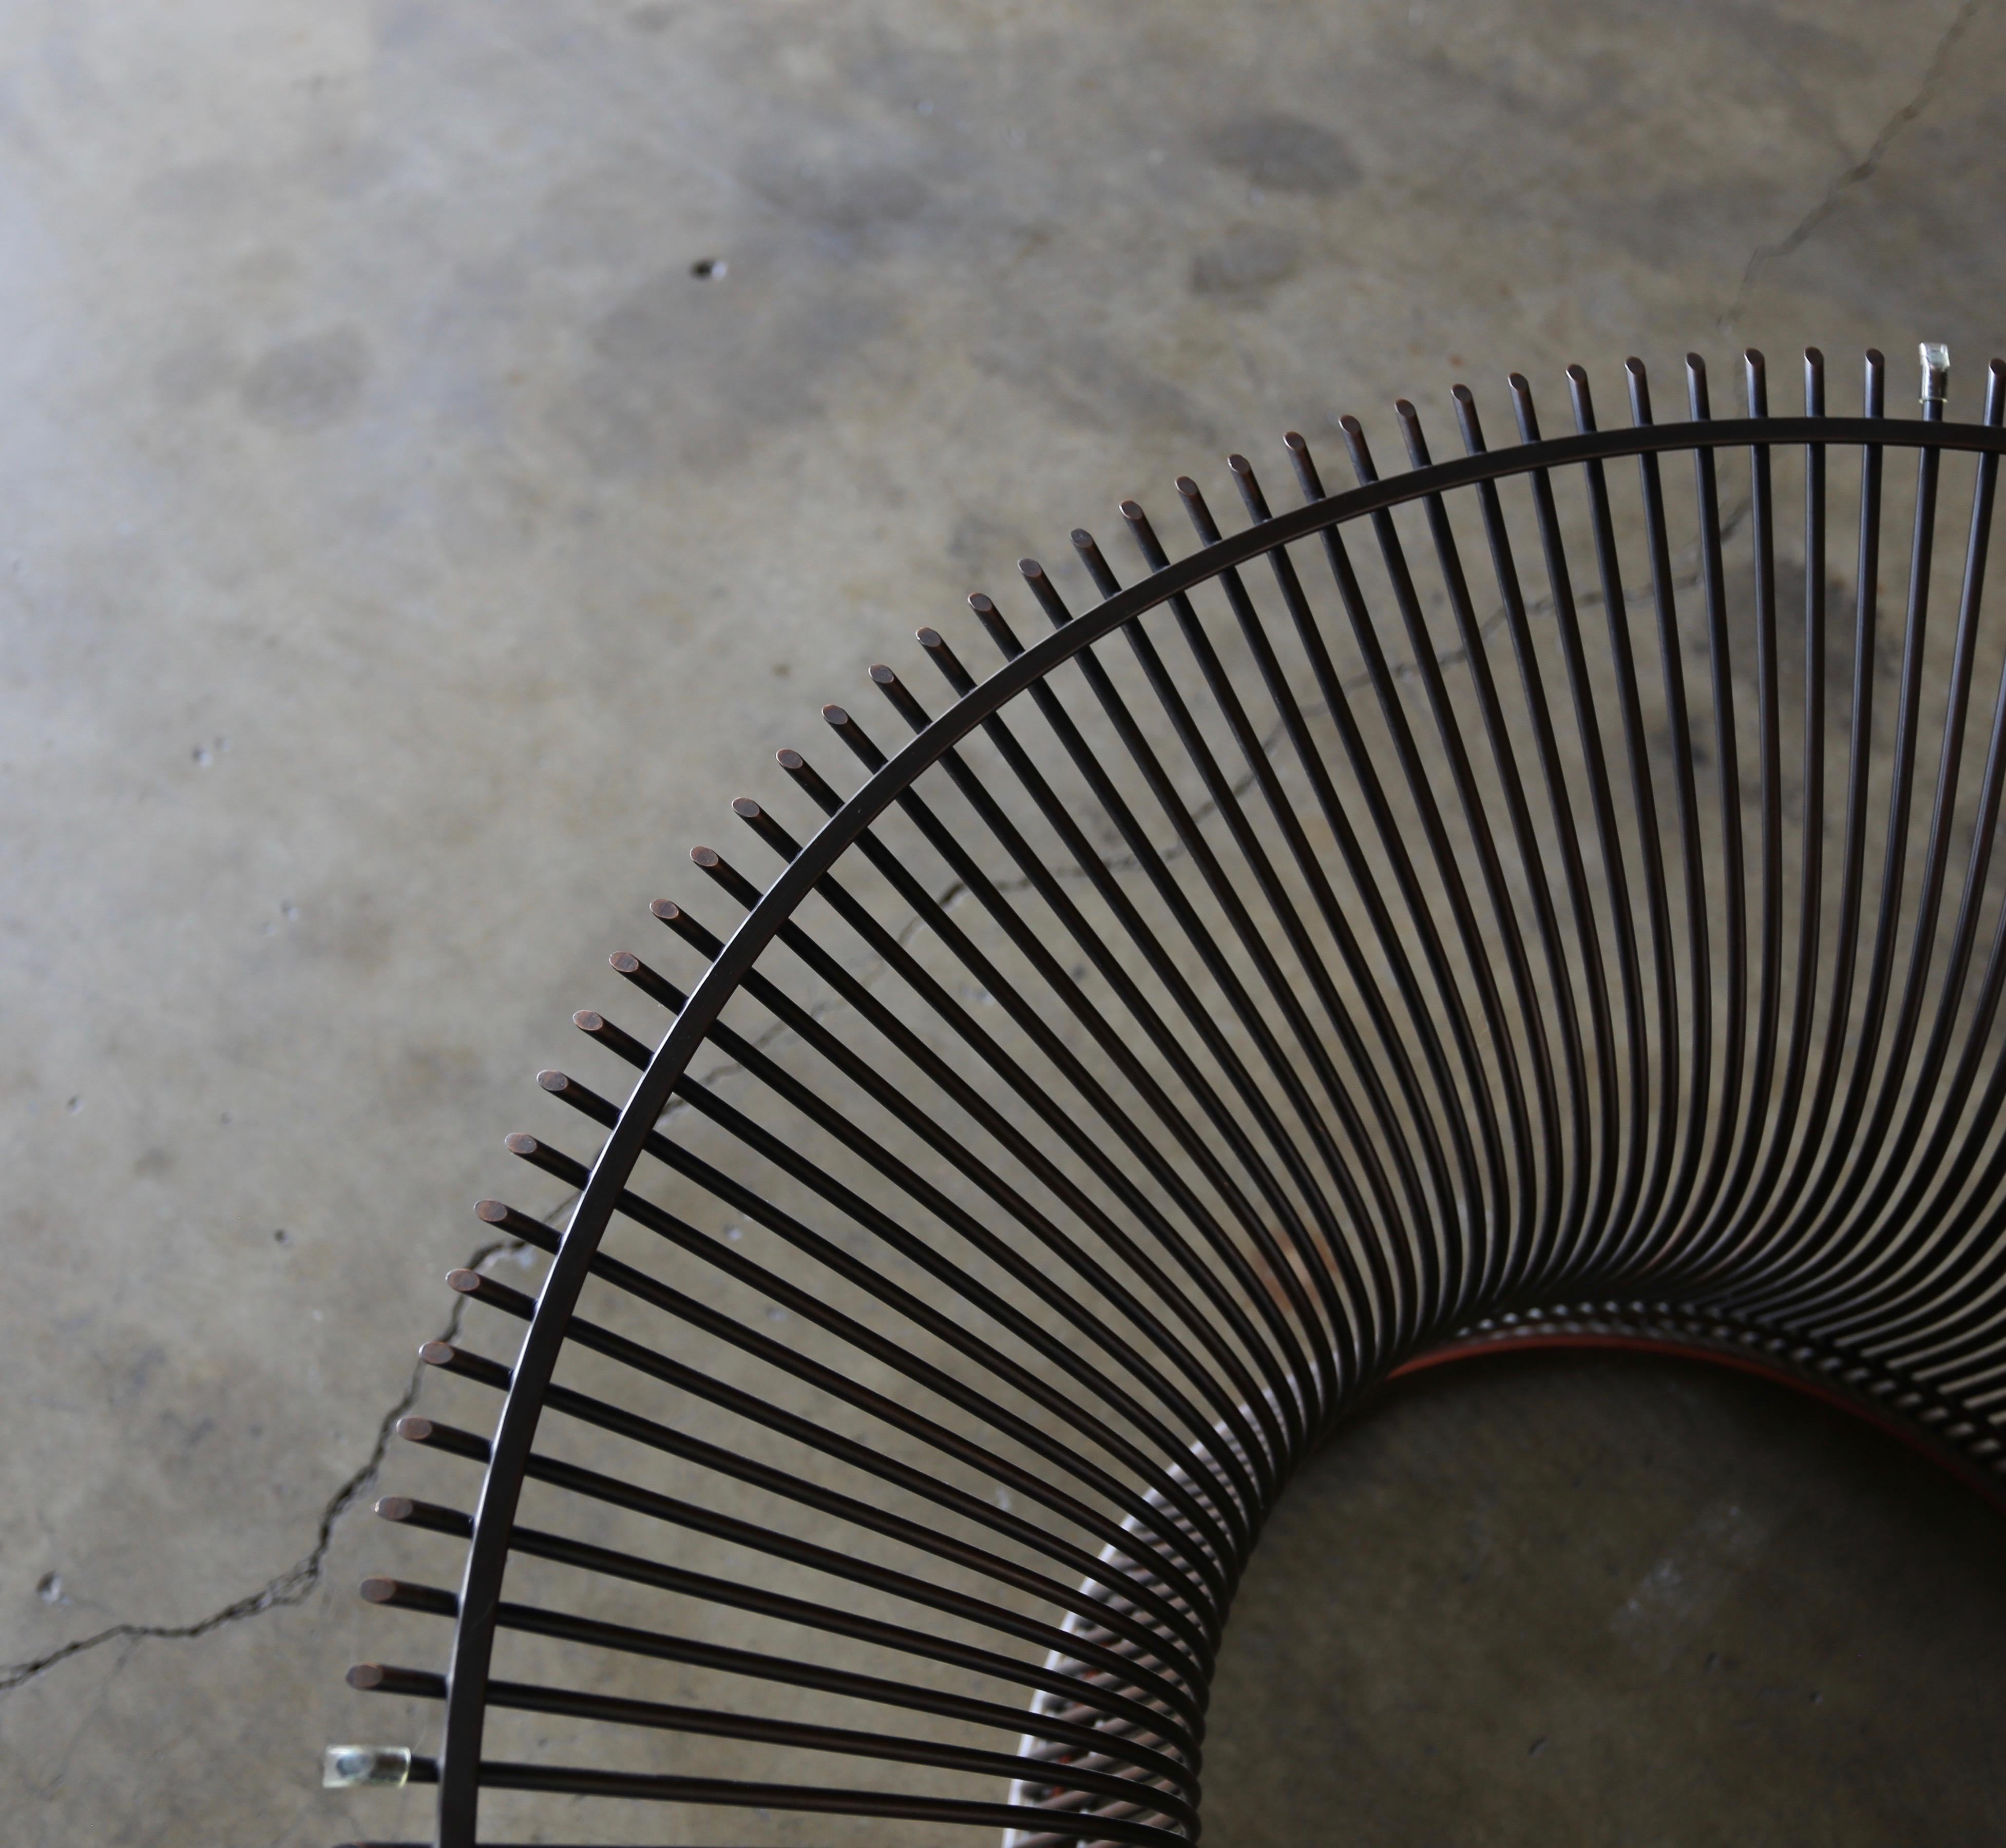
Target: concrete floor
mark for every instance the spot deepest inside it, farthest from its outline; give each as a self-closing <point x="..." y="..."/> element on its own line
<point x="409" y="553"/>
<point x="1576" y="1598"/>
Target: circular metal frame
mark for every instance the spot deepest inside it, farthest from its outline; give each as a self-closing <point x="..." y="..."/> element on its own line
<point x="1622" y="1196"/>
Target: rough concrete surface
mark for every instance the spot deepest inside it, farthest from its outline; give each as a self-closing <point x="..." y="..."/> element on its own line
<point x="1572" y="1598"/>
<point x="450" y="445"/>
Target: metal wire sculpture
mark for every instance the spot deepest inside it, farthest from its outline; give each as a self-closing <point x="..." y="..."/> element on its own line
<point x="1301" y="965"/>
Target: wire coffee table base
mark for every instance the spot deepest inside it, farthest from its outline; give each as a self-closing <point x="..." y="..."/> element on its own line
<point x="1527" y="900"/>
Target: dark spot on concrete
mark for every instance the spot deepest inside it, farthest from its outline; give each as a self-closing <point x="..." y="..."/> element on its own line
<point x="1285" y="154"/>
<point x="193" y="371"/>
<point x="982" y="545"/>
<point x="1245" y="263"/>
<point x="139" y="1372"/>
<point x="152" y="1165"/>
<point x="309" y="383"/>
<point x="681" y="376"/>
<point x="1537" y="1746"/>
<point x="656" y="16"/>
<point x="709" y="269"/>
<point x="847" y="200"/>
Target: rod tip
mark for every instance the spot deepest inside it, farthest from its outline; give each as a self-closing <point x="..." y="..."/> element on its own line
<point x="836" y="715"/>
<point x="553" y="1079"/>
<point x="1185" y="486"/>
<point x="883" y="675"/>
<point x="413" y="1429"/>
<point x="1463" y="394"/>
<point x="1131" y="510"/>
<point x="586" y="1021"/>
<point x="1028" y="568"/>
<point x="1295" y="442"/>
<point x="436" y="1354"/>
<point x="366" y="1675"/>
<point x="1350" y="425"/>
<point x="393" y="1508"/>
<point x="746" y="809"/>
<point x="463" y="1281"/>
<point x="520" y="1144"/>
<point x="667" y="909"/>
<point x="624" y="960"/>
<point x="1935" y="357"/>
<point x="490" y="1212"/>
<point x="1403" y="409"/>
<point x="789" y="761"/>
<point x="376" y="1589"/>
<point x="1240" y="465"/>
<point x="1577" y="374"/>
<point x="705" y="857"/>
<point x="1081" y="538"/>
<point x="929" y="638"/>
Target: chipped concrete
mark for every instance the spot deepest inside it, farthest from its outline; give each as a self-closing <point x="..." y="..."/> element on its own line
<point x="451" y="447"/>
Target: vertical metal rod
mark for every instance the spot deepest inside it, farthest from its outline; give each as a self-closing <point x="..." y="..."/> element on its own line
<point x="1840" y="1179"/>
<point x="1573" y="1204"/>
<point x="1785" y="1215"/>
<point x="1810" y="886"/>
<point x="1631" y="1214"/>
<point x="1595" y="766"/>
<point x="1685" y="1096"/>
<point x="1770" y="797"/>
<point x="1727" y="1125"/>
<point x="1541" y="1187"/>
<point x="1492" y="1212"/>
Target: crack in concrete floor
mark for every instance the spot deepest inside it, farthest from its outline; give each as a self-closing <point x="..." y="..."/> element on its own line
<point x="1862" y="170"/>
<point x="294" y="1585"/>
